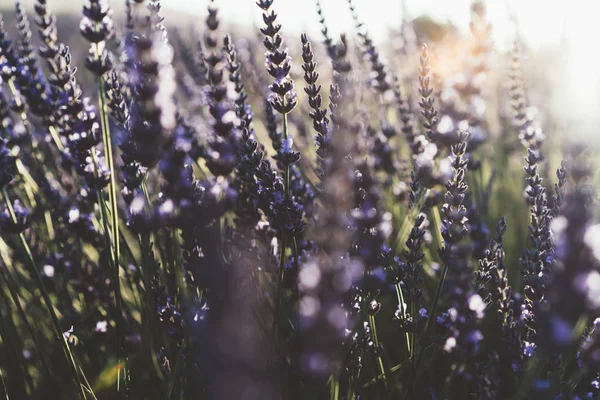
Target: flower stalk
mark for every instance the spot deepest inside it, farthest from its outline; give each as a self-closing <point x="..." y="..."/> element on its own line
<point x="47" y="301"/>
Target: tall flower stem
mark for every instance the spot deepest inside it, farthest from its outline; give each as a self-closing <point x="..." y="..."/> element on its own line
<point x="17" y="98"/>
<point x="46" y="297"/>
<point x="114" y="265"/>
<point x="279" y="284"/>
<point x="282" y="260"/>
<point x="286" y="184"/>
<point x="31" y="187"/>
<point x="403" y="310"/>
<point x="4" y="390"/>
<point x="12" y="288"/>
<point x="56" y="137"/>
<point x="437" y="221"/>
<point x="287" y="167"/>
<point x="376" y="341"/>
<point x="296" y="264"/>
<point x="335" y="388"/>
<point x="106" y="139"/>
<point x="12" y="343"/>
<point x="436" y="300"/>
<point x="110" y="162"/>
<point x="103" y="211"/>
<point x="438" y="227"/>
<point x="412" y="336"/>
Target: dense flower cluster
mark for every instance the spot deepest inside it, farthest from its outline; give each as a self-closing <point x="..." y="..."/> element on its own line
<point x="247" y="257"/>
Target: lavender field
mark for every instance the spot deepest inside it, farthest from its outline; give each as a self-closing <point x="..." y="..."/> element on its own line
<point x="203" y="207"/>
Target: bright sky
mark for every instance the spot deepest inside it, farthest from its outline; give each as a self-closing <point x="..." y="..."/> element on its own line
<point x="542" y="23"/>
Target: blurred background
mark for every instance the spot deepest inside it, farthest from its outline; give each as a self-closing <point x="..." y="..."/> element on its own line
<point x="561" y="69"/>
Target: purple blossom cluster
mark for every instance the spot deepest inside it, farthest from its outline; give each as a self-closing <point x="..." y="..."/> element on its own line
<point x="179" y="219"/>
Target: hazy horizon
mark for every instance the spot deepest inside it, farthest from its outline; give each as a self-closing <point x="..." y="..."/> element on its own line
<point x="541" y="24"/>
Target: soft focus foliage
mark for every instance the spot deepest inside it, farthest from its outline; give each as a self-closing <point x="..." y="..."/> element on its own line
<point x="258" y="216"/>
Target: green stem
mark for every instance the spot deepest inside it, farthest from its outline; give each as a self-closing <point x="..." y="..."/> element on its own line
<point x="436" y="300"/>
<point x="279" y="285"/>
<point x="412" y="341"/>
<point x="110" y="161"/>
<point x="437" y="220"/>
<point x="56" y="138"/>
<point x="183" y="296"/>
<point x="403" y="310"/>
<point x="31" y="187"/>
<point x="12" y="342"/>
<point x="3" y="385"/>
<point x="106" y="139"/>
<point x="102" y="205"/>
<point x="296" y="266"/>
<point x="145" y="190"/>
<point x="114" y="266"/>
<point x="286" y="186"/>
<point x="19" y="103"/>
<point x="46" y="298"/>
<point x="27" y="179"/>
<point x="376" y="341"/>
<point x="147" y="270"/>
<point x="392" y="370"/>
<point x="49" y="225"/>
<point x="175" y="372"/>
<point x="335" y="388"/>
<point x="87" y="387"/>
<point x="10" y="283"/>
<point x="287" y="167"/>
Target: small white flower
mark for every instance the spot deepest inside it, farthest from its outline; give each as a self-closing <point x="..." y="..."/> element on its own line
<point x="445" y="125"/>
<point x="101" y="326"/>
<point x="477" y="305"/>
<point x="49" y="270"/>
<point x="137" y="205"/>
<point x="74" y="215"/>
<point x="167" y="207"/>
<point x="592" y="239"/>
<point x="68" y="333"/>
<point x="310" y="276"/>
<point x="592" y="285"/>
<point x="450" y="344"/>
<point x="309" y="306"/>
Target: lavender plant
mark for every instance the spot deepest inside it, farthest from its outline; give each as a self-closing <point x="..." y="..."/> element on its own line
<point x="247" y="258"/>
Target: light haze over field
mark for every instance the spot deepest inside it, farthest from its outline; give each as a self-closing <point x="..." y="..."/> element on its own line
<point x="542" y="24"/>
<point x="541" y="21"/>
